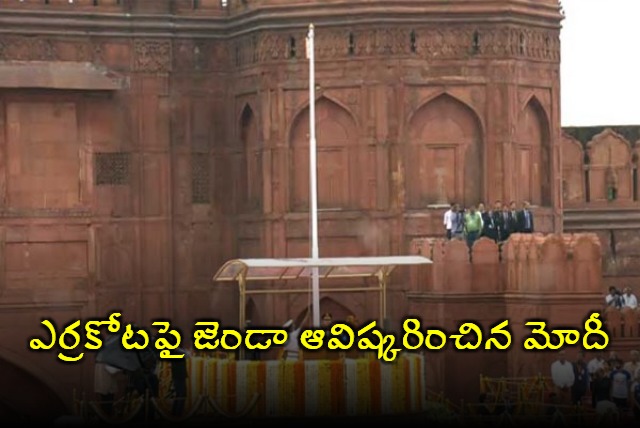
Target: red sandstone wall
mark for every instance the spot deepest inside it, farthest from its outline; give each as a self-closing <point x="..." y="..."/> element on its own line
<point x="556" y="278"/>
<point x="593" y="160"/>
<point x="199" y="155"/>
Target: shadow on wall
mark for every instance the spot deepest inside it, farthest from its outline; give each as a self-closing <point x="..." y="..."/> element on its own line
<point x="23" y="398"/>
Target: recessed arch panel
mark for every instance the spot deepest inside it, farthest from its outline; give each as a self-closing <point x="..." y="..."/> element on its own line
<point x="444" y="157"/>
<point x="336" y="134"/>
<point x="252" y="174"/>
<point x="573" y="176"/>
<point x="532" y="156"/>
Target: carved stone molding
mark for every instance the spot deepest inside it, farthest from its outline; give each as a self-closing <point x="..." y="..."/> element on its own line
<point x="19" y="48"/>
<point x="425" y="43"/>
<point x="152" y="56"/>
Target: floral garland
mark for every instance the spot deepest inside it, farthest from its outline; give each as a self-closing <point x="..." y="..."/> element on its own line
<point x="387" y="388"/>
<point x="287" y="388"/>
<point x="272" y="382"/>
<point x="251" y="380"/>
<point x="241" y="382"/>
<point x="221" y="384"/>
<point x="299" y="380"/>
<point x="411" y="375"/>
<point x="211" y="369"/>
<point x="309" y="388"/>
<point x="311" y="369"/>
<point x="364" y="387"/>
<point x="324" y="388"/>
<point x="197" y="380"/>
<point x="351" y="387"/>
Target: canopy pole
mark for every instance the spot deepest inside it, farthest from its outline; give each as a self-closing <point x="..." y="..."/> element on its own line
<point x="242" y="283"/>
<point x="382" y="282"/>
<point x="313" y="187"/>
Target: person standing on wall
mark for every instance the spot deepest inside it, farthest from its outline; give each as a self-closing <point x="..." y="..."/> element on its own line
<point x="488" y="225"/>
<point x="292" y="346"/>
<point x="498" y="220"/>
<point x="525" y="218"/>
<point x="472" y="226"/>
<point x="449" y="217"/>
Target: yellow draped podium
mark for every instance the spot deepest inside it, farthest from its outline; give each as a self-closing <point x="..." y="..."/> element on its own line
<point x="335" y="387"/>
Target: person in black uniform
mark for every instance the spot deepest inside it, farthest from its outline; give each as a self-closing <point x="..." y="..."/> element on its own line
<point x="179" y="380"/>
<point x="488" y="225"/>
<point x="498" y="220"/>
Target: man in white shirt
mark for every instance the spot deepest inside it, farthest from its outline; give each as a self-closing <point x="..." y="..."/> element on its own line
<point x="449" y="220"/>
<point x="292" y="346"/>
<point x="563" y="377"/>
<point x="629" y="299"/>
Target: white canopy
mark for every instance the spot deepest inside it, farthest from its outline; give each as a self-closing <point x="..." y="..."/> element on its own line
<point x="290" y="269"/>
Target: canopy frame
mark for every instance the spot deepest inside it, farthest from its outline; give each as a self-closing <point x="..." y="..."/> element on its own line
<point x="244" y="271"/>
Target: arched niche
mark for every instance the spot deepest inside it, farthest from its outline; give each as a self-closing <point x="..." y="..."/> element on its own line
<point x="444" y="157"/>
<point x="252" y="313"/>
<point x="610" y="171"/>
<point x="336" y="134"/>
<point x="23" y="390"/>
<point x="573" y="174"/>
<point x="252" y="191"/>
<point x="533" y="156"/>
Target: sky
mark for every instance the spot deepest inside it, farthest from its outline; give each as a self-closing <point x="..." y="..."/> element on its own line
<point x="600" y="65"/>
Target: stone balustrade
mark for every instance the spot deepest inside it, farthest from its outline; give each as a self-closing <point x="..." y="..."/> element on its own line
<point x="526" y="264"/>
<point x="623" y="323"/>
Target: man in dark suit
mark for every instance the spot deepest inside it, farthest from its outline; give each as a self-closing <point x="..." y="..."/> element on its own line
<point x="488" y="225"/>
<point x="498" y="220"/>
<point x="510" y="218"/>
<point x="525" y="218"/>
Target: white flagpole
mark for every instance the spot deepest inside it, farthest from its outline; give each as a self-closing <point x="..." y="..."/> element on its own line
<point x="313" y="187"/>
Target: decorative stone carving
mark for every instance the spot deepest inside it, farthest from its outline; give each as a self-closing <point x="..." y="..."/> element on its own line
<point x="274" y="47"/>
<point x="19" y="48"/>
<point x="152" y="56"/>
<point x="430" y="43"/>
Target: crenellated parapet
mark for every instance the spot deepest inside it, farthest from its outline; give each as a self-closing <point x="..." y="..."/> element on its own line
<point x="624" y="324"/>
<point x="526" y="264"/>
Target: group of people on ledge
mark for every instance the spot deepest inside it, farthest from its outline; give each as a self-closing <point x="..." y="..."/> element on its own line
<point x="497" y="223"/>
<point x="613" y="385"/>
<point x="616" y="299"/>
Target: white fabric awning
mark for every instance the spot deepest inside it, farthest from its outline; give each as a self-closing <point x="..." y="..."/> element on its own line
<point x="290" y="269"/>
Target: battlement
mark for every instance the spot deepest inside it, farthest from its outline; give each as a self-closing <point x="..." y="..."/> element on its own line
<point x="623" y="323"/>
<point x="235" y="7"/>
<point x="173" y="7"/>
<point x="99" y="6"/>
<point x="526" y="264"/>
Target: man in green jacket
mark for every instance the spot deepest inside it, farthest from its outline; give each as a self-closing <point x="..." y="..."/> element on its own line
<point x="472" y="225"/>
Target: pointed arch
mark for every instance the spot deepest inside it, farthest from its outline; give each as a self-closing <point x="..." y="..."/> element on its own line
<point x="532" y="155"/>
<point x="29" y="385"/>
<point x="573" y="174"/>
<point x="610" y="170"/>
<point x="337" y="166"/>
<point x="445" y="154"/>
<point x="252" y="173"/>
